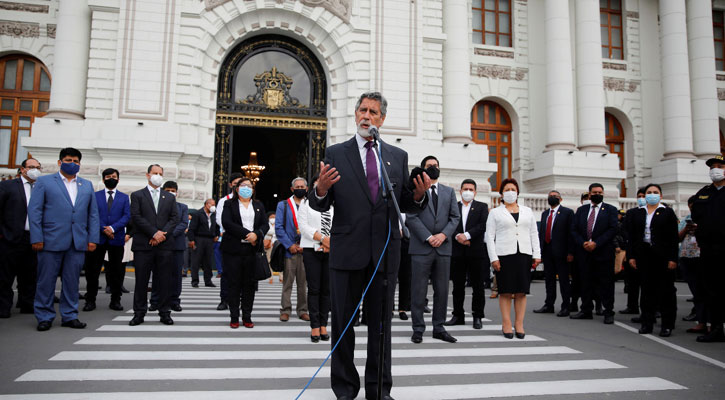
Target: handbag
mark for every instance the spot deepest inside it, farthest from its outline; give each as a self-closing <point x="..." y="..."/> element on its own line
<point x="277" y="257"/>
<point x="261" y="266"/>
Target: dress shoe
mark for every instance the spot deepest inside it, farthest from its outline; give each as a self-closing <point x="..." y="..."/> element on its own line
<point x="115" y="305"/>
<point x="248" y="324"/>
<point x="545" y="310"/>
<point x="27" y="310"/>
<point x="305" y="317"/>
<point x="628" y="311"/>
<point x="700" y="329"/>
<point x="455" y="321"/>
<point x="665" y="332"/>
<point x="427" y="310"/>
<point x="234" y="325"/>
<point x="222" y="306"/>
<point x="598" y="312"/>
<point x="609" y="319"/>
<point x="5" y="315"/>
<point x="581" y="315"/>
<point x="403" y="316"/>
<point x="166" y="320"/>
<point x="508" y="335"/>
<point x="136" y="320"/>
<point x="315" y="339"/>
<point x="176" y="307"/>
<point x="284" y="317"/>
<point x="74" y="323"/>
<point x="44" y="325"/>
<point x="417" y="337"/>
<point x="564" y="312"/>
<point x="210" y="284"/>
<point x="444" y="336"/>
<point x="690" y="318"/>
<point x="124" y="290"/>
<point x="153" y="307"/>
<point x="715" y="335"/>
<point x="195" y="285"/>
<point x="477" y="324"/>
<point x="636" y="320"/>
<point x="520" y="335"/>
<point x="573" y="307"/>
<point x="645" y="329"/>
<point x="90" y="306"/>
<point x="325" y="337"/>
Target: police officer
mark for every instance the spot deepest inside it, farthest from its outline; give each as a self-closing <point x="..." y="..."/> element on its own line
<point x="708" y="212"/>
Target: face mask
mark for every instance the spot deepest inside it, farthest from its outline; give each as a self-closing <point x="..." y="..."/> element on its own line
<point x="156" y="180"/>
<point x="433" y="172"/>
<point x="586" y="202"/>
<point x="111" y="183"/>
<point x="33" y="173"/>
<point x="271" y="221"/>
<point x="717" y="174"/>
<point x="172" y="193"/>
<point x="212" y="209"/>
<point x="467" y="195"/>
<point x="641" y="201"/>
<point x="510" y="197"/>
<point x="300" y="193"/>
<point x="596" y="198"/>
<point x="70" y="168"/>
<point x="245" y="192"/>
<point x="553" y="201"/>
<point x="363" y="132"/>
<point x="652" y="198"/>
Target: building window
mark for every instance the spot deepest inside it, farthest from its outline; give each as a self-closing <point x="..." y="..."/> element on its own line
<point x="615" y="142"/>
<point x="492" y="22"/>
<point x="610" y="17"/>
<point x="491" y="125"/>
<point x="718" y="28"/>
<point x="24" y="95"/>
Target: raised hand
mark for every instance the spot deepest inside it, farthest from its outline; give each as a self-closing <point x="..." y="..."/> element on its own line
<point x="328" y="177"/>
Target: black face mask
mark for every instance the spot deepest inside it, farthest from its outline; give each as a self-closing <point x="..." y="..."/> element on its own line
<point x="596" y="198"/>
<point x="111" y="183"/>
<point x="553" y="201"/>
<point x="433" y="172"/>
<point x="300" y="193"/>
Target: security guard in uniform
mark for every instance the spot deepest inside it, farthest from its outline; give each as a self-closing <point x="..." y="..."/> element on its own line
<point x="708" y="213"/>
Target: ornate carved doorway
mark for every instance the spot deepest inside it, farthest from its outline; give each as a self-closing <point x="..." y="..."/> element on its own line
<point x="273" y="101"/>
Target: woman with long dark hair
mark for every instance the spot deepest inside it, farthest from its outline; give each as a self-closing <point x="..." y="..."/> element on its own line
<point x="245" y="224"/>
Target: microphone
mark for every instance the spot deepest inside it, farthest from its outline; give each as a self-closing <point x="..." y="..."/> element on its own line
<point x="373" y="130"/>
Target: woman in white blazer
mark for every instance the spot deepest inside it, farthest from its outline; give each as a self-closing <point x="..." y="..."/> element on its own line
<point x="315" y="243"/>
<point x="512" y="240"/>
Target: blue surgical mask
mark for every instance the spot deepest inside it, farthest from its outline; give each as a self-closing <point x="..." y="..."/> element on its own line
<point x="245" y="192"/>
<point x="70" y="168"/>
<point x="652" y="198"/>
<point x="641" y="201"/>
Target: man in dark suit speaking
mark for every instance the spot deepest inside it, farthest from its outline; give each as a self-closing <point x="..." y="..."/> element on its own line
<point x="350" y="180"/>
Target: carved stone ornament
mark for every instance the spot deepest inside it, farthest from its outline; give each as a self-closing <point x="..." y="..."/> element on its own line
<point x="273" y="90"/>
<point x="620" y="85"/>
<point x="720" y="94"/>
<point x="34" y="8"/>
<point x="210" y="4"/>
<point x="51" y="30"/>
<point x="493" y="53"/>
<point x="499" y="72"/>
<point x="340" y="8"/>
<point x="19" y="29"/>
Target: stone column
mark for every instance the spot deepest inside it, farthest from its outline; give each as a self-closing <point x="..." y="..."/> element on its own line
<point x="456" y="72"/>
<point x="70" y="67"/>
<point x="677" y="114"/>
<point x="559" y="82"/>
<point x="703" y="85"/>
<point x="589" y="78"/>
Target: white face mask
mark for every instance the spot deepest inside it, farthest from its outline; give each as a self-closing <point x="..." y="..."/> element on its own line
<point x="510" y="197"/>
<point x="467" y="195"/>
<point x="586" y="202"/>
<point x="271" y="221"/>
<point x="717" y="174"/>
<point x="156" y="180"/>
<point x="363" y="132"/>
<point x="212" y="209"/>
<point x="173" y="194"/>
<point x="33" y="173"/>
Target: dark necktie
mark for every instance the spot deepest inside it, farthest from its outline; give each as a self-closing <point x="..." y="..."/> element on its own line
<point x="590" y="222"/>
<point x="371" y="168"/>
<point x="326" y="222"/>
<point x="434" y="196"/>
<point x="110" y="200"/>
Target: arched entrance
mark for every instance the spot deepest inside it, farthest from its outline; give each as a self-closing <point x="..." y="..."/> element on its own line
<point x="273" y="101"/>
<point x="491" y="125"/>
<point x="615" y="143"/>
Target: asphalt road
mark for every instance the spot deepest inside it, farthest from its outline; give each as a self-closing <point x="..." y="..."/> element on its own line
<point x="201" y="357"/>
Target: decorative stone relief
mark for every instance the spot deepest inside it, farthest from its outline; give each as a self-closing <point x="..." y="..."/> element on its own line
<point x="185" y="194"/>
<point x="19" y="29"/>
<point x="340" y="8"/>
<point x="614" y="66"/>
<point x="720" y="94"/>
<point x="201" y="176"/>
<point x="51" y="30"/>
<point x="633" y="14"/>
<point x="720" y="77"/>
<point x="34" y="8"/>
<point x="620" y="85"/>
<point x="209" y="4"/>
<point x="493" y="53"/>
<point x="499" y="72"/>
<point x="186" y="174"/>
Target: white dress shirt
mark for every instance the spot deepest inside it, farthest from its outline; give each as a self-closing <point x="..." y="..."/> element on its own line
<point x="247" y="214"/>
<point x="71" y="186"/>
<point x="28" y="190"/>
<point x="219" y="210"/>
<point x="648" y="222"/>
<point x="465" y="208"/>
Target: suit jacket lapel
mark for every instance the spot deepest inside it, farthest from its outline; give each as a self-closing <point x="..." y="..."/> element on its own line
<point x="460" y="212"/>
<point x="147" y="194"/>
<point x="63" y="189"/>
<point x="21" y="187"/>
<point x="353" y="157"/>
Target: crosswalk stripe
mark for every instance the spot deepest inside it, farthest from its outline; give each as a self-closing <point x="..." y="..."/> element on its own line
<point x="102" y="374"/>
<point x="180" y="318"/>
<point x="360" y="339"/>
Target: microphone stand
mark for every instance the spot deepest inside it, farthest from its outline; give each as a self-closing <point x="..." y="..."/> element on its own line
<point x="387" y="195"/>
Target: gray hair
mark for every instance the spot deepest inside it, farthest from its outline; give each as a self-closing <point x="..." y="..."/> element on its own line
<point x="299" y="178"/>
<point x="377" y="96"/>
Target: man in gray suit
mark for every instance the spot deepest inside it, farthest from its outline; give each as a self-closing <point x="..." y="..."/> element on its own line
<point x="431" y="234"/>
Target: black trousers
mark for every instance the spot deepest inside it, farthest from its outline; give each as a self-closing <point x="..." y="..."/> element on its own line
<point x="714" y="273"/>
<point x="115" y="271"/>
<point x="473" y="268"/>
<point x="658" y="288"/>
<point x="317" y="270"/>
<point x="202" y="257"/>
<point x="346" y="287"/>
<point x="597" y="282"/>
<point x="554" y="266"/>
<point x="239" y="273"/>
<point x="175" y="278"/>
<point x="575" y="284"/>
<point x="160" y="262"/>
<point x="632" y="284"/>
<point x="694" y="273"/>
<point x="17" y="260"/>
<point x="404" y="276"/>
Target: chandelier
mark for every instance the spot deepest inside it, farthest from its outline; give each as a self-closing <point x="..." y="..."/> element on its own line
<point x="253" y="170"/>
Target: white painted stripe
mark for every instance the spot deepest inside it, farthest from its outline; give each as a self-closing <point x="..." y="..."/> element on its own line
<point x="181" y="318"/>
<point x="162" y="374"/>
<point x="360" y="339"/>
<point x="674" y="346"/>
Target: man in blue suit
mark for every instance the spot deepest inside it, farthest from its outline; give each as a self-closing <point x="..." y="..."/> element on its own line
<point x="114" y="213"/>
<point x="64" y="224"/>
